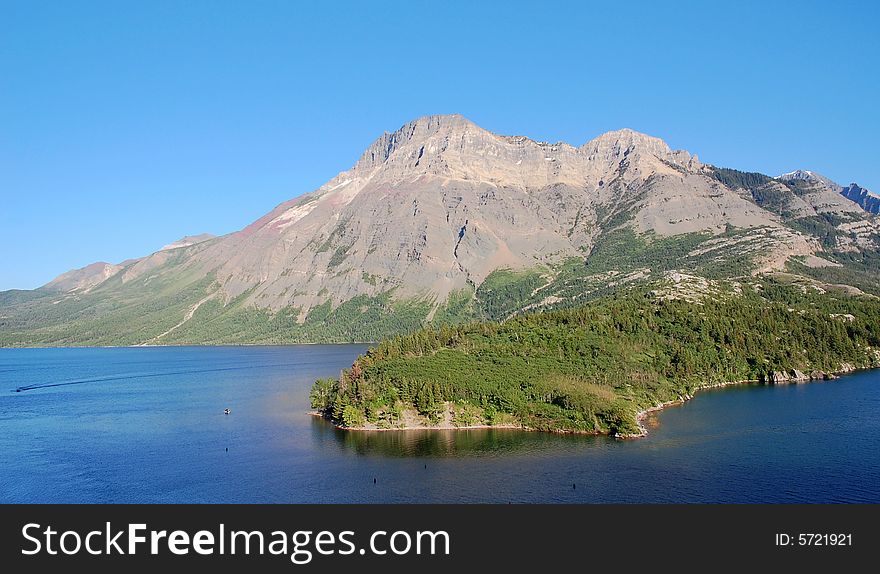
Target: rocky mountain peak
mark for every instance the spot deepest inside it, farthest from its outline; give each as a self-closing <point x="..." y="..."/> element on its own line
<point x="830" y="196"/>
<point x="810" y="176"/>
<point x="617" y="145"/>
<point x="453" y="147"/>
<point x="626" y="139"/>
<point x="798" y="174"/>
<point x="418" y="131"/>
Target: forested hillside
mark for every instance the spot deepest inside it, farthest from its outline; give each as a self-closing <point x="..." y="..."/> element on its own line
<point x="593" y="368"/>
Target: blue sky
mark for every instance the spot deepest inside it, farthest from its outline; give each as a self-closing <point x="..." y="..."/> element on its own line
<point x="126" y="125"/>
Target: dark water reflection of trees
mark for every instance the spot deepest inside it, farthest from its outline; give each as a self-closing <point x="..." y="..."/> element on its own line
<point x="450" y="443"/>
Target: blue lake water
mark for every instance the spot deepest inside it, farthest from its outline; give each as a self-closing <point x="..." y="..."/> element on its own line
<point x="147" y="425"/>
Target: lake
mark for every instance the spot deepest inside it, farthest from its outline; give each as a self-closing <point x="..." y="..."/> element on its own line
<point x="138" y="425"/>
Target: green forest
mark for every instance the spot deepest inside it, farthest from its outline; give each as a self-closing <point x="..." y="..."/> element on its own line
<point x="593" y="368"/>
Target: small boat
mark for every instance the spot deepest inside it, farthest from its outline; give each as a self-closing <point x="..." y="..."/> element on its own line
<point x="226" y="411"/>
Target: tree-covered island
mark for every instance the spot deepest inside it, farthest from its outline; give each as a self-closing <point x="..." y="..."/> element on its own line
<point x="595" y="368"/>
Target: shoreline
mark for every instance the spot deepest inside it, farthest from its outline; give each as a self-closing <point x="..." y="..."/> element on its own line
<point x="416" y="428"/>
<point x="644" y="413"/>
<point x="640" y="415"/>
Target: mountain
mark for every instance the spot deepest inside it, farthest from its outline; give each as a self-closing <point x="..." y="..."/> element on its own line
<point x="443" y="221"/>
<point x="188" y="240"/>
<point x="868" y="200"/>
<point x="83" y="279"/>
<point x="809" y="176"/>
<point x="865" y="199"/>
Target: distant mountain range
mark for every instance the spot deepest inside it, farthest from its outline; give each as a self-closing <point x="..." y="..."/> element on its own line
<point x="443" y="221"/>
<point x="869" y="201"/>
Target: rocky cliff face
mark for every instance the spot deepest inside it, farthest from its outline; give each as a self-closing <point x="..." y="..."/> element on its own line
<point x="870" y="202"/>
<point x="438" y="206"/>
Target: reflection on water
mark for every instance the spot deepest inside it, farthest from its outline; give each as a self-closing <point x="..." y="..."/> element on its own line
<point x="450" y="443"/>
<point x="146" y="425"/>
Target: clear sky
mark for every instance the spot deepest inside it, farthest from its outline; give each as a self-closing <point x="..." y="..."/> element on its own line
<point x="126" y="125"/>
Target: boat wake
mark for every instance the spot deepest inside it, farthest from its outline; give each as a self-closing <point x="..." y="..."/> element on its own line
<point x="130" y="376"/>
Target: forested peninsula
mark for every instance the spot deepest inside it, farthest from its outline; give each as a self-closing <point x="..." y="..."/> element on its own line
<point x="597" y="368"/>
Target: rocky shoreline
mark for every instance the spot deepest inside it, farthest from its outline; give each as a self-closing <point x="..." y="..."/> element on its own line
<point x="794" y="376"/>
<point x="375" y="428"/>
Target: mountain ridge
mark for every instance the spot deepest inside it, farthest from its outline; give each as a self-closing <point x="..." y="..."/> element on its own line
<point x="438" y="219"/>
